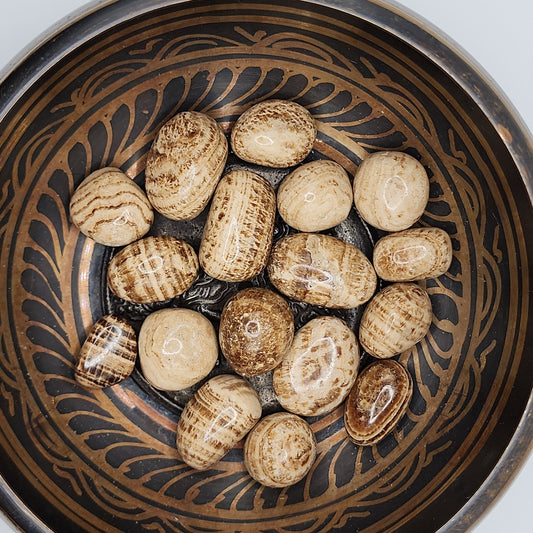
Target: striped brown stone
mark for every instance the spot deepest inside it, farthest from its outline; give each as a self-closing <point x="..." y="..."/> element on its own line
<point x="377" y="401"/>
<point x="238" y="233"/>
<point x="108" y="355"/>
<point x="184" y="164"/>
<point x="153" y="269"/>
<point x="216" y="418"/>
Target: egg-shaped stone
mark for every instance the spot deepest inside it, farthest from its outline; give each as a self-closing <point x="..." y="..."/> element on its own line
<point x="319" y="369"/>
<point x="315" y="196"/>
<point x="413" y="254"/>
<point x="220" y="414"/>
<point x="280" y="450"/>
<point x="377" y="401"/>
<point x="108" y="354"/>
<point x="111" y="208"/>
<point x="238" y="232"/>
<point x="153" y="269"/>
<point x="397" y="318"/>
<point x="274" y="133"/>
<point x="391" y="190"/>
<point x="256" y="329"/>
<point x="184" y="164"/>
<point x="177" y="348"/>
<point x="321" y="270"/>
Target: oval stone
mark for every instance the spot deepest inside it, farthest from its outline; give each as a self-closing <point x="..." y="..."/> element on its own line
<point x="238" y="232"/>
<point x="391" y="190"/>
<point x="108" y="355"/>
<point x="377" y="401"/>
<point x="321" y="270"/>
<point x="280" y="450"/>
<point x="184" y="164"/>
<point x="274" y="133"/>
<point x="153" y="269"/>
<point x="315" y="196"/>
<point x="395" y="320"/>
<point x="256" y="329"/>
<point x="412" y="255"/>
<point x="319" y="369"/>
<point x="177" y="348"/>
<point x="111" y="208"/>
<point x="221" y="412"/>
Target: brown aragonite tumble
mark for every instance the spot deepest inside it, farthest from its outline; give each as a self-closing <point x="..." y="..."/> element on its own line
<point x="256" y="329"/>
<point x="377" y="401"/>
<point x="184" y="164"/>
<point x="321" y="270"/>
<point x="111" y="208"/>
<point x="221" y="412"/>
<point x="315" y="196"/>
<point x="397" y="318"/>
<point x="153" y="269"/>
<point x="238" y="232"/>
<point x="413" y="254"/>
<point x="108" y="355"/>
<point x="280" y="450"/>
<point x="319" y="369"/>
<point x="391" y="190"/>
<point x="274" y="133"/>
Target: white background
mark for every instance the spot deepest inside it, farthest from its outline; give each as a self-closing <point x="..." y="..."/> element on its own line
<point x="498" y="34"/>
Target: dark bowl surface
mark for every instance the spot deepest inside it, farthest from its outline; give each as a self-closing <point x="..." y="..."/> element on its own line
<point x="95" y="95"/>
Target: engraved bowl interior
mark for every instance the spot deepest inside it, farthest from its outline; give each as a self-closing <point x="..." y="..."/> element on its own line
<point x="94" y="95"/>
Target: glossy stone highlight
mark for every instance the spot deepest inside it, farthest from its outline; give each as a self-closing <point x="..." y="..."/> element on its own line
<point x="256" y="329"/>
<point x="111" y="208"/>
<point x="184" y="164"/>
<point x="396" y="319"/>
<point x="177" y="348"/>
<point x="280" y="450"/>
<point x="108" y="355"/>
<point x="274" y="133"/>
<point x="321" y="270"/>
<point x="412" y="255"/>
<point x="391" y="190"/>
<point x="318" y="371"/>
<point x="315" y="196"/>
<point x="377" y="402"/>
<point x="217" y="417"/>
<point x="153" y="269"/>
<point x="238" y="233"/>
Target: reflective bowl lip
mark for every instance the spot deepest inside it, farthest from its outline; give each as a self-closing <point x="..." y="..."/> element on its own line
<point x="407" y="26"/>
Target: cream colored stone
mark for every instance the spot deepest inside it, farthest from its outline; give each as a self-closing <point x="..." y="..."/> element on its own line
<point x="177" y="348"/>
<point x="319" y="369"/>
<point x="391" y="190"/>
<point x="315" y="196"/>
<point x="274" y="133"/>
<point x="111" y="208"/>
<point x="280" y="450"/>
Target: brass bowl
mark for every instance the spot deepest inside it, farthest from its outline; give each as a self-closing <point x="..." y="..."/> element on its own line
<point x="95" y="95"/>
